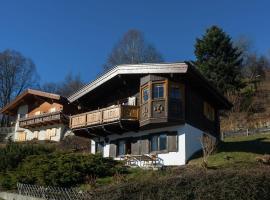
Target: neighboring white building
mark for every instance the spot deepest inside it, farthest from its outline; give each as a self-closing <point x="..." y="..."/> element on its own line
<point x="38" y="115"/>
<point x="155" y="110"/>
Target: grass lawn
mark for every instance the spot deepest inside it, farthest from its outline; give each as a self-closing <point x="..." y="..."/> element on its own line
<point x="238" y="151"/>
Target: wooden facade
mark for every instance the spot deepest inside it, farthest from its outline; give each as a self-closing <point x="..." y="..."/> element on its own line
<point x="113" y="114"/>
<point x="35" y="108"/>
<point x="165" y="102"/>
<point x="165" y="95"/>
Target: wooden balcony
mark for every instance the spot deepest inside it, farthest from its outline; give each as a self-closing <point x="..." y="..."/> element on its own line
<point x="43" y="119"/>
<point x="120" y="114"/>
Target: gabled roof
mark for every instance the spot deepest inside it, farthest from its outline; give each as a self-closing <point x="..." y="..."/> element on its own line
<point x="149" y="68"/>
<point x="13" y="104"/>
<point x="145" y="68"/>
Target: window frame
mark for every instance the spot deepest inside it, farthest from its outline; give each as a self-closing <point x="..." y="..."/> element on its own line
<point x="118" y="148"/>
<point x="99" y="147"/>
<point x="153" y="90"/>
<point x="159" y="150"/>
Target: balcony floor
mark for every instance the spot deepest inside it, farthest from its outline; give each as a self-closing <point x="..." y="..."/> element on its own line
<point x="117" y="127"/>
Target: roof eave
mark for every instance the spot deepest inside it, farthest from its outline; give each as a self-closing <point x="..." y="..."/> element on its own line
<point x="129" y="69"/>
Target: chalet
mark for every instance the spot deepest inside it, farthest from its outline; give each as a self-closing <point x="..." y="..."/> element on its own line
<point x="38" y="115"/>
<point x="152" y="109"/>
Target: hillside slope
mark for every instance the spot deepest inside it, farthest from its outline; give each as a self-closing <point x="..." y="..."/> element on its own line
<point x="256" y="119"/>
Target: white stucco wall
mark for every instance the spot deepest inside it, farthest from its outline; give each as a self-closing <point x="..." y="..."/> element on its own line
<point x="170" y="158"/>
<point x="192" y="140"/>
<point x="188" y="143"/>
<point x="93" y="147"/>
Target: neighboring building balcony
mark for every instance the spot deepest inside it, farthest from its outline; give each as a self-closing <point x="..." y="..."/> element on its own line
<point x="112" y="119"/>
<point x="43" y="120"/>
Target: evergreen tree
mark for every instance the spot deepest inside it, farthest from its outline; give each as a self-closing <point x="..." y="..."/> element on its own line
<point x="219" y="60"/>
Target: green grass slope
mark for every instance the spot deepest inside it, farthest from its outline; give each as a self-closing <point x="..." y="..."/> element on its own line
<point x="238" y="151"/>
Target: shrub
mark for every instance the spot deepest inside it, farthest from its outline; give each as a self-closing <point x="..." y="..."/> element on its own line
<point x="62" y="169"/>
<point x="8" y="181"/>
<point x="13" y="153"/>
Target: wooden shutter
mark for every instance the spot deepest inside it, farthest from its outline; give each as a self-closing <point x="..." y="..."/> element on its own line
<point x="135" y="147"/>
<point x="48" y="134"/>
<point x="113" y="149"/>
<point x="22" y="136"/>
<point x="35" y="134"/>
<point x="144" y="146"/>
<point x="172" y="142"/>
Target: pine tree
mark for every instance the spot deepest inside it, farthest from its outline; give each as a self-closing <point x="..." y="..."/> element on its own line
<point x="219" y="60"/>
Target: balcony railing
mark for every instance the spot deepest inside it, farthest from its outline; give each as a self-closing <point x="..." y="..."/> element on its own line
<point x="105" y="116"/>
<point x="43" y="119"/>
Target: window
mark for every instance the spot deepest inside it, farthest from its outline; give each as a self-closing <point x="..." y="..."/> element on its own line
<point x="158" y="91"/>
<point x="145" y="94"/>
<point x="121" y="148"/>
<point x="175" y="92"/>
<point x="159" y="142"/>
<point x="208" y="111"/>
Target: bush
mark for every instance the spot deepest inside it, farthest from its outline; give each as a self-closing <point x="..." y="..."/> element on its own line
<point x="227" y="184"/>
<point x="13" y="153"/>
<point x="62" y="169"/>
<point x="8" y="181"/>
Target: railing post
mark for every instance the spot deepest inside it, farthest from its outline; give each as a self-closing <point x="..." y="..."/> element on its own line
<point x="120" y="112"/>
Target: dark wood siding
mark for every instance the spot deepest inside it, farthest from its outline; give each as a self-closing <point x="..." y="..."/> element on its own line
<point x="194" y="111"/>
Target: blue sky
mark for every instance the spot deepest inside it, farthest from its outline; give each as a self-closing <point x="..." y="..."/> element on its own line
<point x="76" y="36"/>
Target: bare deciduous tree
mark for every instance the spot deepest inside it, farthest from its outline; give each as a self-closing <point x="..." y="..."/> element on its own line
<point x="208" y="146"/>
<point x="132" y="49"/>
<point x="66" y="87"/>
<point x="16" y="74"/>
